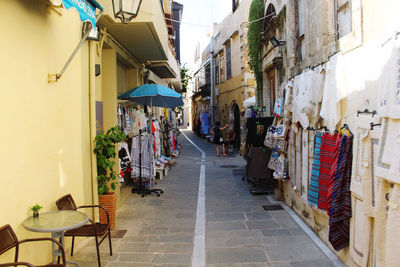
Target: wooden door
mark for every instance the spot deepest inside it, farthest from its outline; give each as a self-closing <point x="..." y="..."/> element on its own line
<point x="271" y="87"/>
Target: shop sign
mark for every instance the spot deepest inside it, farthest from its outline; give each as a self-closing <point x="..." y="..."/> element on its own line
<point x="87" y="12"/>
<point x="99" y="117"/>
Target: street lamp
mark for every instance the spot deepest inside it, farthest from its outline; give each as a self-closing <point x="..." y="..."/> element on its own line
<point x="125" y="10"/>
<point x="275" y="42"/>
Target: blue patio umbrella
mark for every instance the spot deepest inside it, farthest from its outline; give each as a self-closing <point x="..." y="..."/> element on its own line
<point x="153" y="95"/>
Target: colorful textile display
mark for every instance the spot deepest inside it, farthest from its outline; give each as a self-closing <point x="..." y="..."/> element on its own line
<point x="340" y="208"/>
<point x="314" y="180"/>
<point x="142" y="168"/>
<point x="131" y="119"/>
<point x="123" y="156"/>
<point x="311" y="142"/>
<point x="278" y="107"/>
<point x="329" y="150"/>
<point x="205" y="123"/>
<point x="155" y="131"/>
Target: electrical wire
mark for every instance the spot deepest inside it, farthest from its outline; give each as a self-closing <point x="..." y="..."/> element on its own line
<point x="211" y="26"/>
<point x="215" y="65"/>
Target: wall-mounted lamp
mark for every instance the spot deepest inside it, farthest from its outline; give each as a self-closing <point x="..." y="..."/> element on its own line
<point x="275" y="42"/>
<point x="126" y="10"/>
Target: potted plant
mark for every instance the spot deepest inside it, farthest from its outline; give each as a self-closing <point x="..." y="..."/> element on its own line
<point x="105" y="154"/>
<point x="35" y="210"/>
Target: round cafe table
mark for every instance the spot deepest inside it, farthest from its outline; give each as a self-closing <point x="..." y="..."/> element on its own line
<point x="56" y="223"/>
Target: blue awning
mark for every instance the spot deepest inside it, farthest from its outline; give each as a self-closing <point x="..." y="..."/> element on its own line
<point x="85" y="8"/>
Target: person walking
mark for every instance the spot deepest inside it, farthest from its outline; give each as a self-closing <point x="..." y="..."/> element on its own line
<point x="231" y="139"/>
<point x="218" y="139"/>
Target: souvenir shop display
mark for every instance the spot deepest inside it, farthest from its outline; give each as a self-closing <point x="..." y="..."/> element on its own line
<point x="124" y="160"/>
<point x="258" y="173"/>
<point x="149" y="146"/>
<point x="257" y="156"/>
<point x="256" y="130"/>
<point x="142" y="165"/>
<point x="316" y="162"/>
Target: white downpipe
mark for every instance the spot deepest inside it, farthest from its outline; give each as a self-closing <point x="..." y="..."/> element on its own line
<point x="92" y="124"/>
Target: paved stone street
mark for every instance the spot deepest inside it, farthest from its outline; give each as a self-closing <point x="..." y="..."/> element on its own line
<point x="238" y="231"/>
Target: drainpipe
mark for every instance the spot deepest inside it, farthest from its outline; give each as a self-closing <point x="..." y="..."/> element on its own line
<point x="92" y="124"/>
<point x="212" y="81"/>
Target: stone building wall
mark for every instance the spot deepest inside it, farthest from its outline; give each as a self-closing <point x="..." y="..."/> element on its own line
<point x="371" y="24"/>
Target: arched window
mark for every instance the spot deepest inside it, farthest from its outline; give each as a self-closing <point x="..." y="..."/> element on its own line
<point x="269" y="14"/>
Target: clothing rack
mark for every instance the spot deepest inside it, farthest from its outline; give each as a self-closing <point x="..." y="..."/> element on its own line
<point x="141" y="190"/>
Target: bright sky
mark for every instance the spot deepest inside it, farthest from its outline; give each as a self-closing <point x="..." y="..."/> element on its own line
<point x="199" y="13"/>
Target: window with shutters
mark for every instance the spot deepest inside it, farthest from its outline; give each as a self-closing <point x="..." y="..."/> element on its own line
<point x="216" y="66"/>
<point x="301" y="5"/>
<point x="221" y="68"/>
<point x="269" y="15"/>
<point x="228" y="61"/>
<point x="343" y="18"/>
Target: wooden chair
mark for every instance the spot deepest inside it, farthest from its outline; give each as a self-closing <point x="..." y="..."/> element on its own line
<point x="8" y="240"/>
<point x="94" y="229"/>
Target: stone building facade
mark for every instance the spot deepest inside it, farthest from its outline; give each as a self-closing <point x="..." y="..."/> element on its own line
<point x="361" y="34"/>
<point x="234" y="81"/>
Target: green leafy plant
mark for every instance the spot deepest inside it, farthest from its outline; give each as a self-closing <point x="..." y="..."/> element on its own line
<point x="254" y="43"/>
<point x="185" y="78"/>
<point x="105" y="155"/>
<point x="36" y="207"/>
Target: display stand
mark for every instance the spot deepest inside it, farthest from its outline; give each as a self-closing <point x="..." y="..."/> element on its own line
<point x="142" y="190"/>
<point x="257" y="172"/>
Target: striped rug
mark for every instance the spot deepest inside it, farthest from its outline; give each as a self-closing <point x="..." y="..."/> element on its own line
<point x="340" y="209"/>
<point x="329" y="151"/>
<point x="313" y="187"/>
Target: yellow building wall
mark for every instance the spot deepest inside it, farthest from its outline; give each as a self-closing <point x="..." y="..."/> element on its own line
<point x="230" y="91"/>
<point x="45" y="137"/>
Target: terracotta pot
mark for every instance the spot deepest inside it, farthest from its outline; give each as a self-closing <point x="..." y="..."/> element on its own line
<point x="109" y="202"/>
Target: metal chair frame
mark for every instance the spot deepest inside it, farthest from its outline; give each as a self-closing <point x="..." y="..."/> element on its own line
<point x="9" y="240"/>
<point x="67" y="203"/>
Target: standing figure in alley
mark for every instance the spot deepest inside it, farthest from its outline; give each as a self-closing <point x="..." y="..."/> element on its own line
<point x="218" y="139"/>
<point x="231" y="138"/>
<point x="205" y="124"/>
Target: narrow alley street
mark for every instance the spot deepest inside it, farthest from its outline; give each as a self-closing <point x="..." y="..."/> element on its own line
<point x="238" y="231"/>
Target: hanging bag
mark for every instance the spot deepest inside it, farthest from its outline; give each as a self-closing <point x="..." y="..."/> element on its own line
<point x="278" y="107"/>
<point x="279" y="168"/>
<point x="280" y="145"/>
<point x="273" y="161"/>
<point x="269" y="137"/>
<point x="281" y="129"/>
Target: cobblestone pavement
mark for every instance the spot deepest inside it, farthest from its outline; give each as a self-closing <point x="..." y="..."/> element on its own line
<point x="238" y="231"/>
